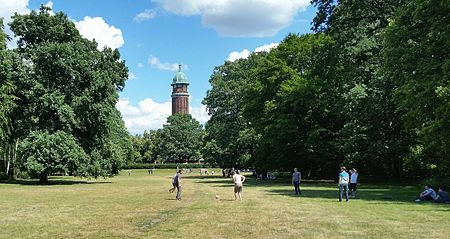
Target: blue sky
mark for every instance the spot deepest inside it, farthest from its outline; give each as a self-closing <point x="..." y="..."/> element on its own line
<point x="153" y="36"/>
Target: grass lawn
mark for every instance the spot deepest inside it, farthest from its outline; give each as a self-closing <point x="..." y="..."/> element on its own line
<point x="140" y="206"/>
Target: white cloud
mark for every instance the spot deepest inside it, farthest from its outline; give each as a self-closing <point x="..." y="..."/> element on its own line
<point x="244" y="54"/>
<point x="7" y="9"/>
<point x="89" y="27"/>
<point x="50" y="5"/>
<point x="149" y="114"/>
<point x="238" y="55"/>
<point x="103" y="33"/>
<point x="154" y="61"/>
<point x="140" y="65"/>
<point x="132" y="76"/>
<point x="237" y="18"/>
<point x="145" y="15"/>
<point x="267" y="47"/>
<point x="200" y="114"/>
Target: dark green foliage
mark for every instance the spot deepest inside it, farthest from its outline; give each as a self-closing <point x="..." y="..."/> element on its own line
<point x="290" y="103"/>
<point x="368" y="90"/>
<point x="180" y="140"/>
<point x="417" y="56"/>
<point x="145" y="146"/>
<point x="69" y="86"/>
<point x="372" y="138"/>
<point x="230" y="140"/>
<point x="44" y="154"/>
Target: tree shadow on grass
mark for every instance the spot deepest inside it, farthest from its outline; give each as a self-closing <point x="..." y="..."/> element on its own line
<point x="327" y="189"/>
<point x="187" y="175"/>
<point x="366" y="194"/>
<point x="51" y="182"/>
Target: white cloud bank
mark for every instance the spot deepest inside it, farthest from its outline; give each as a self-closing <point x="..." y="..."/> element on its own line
<point x="90" y="27"/>
<point x="147" y="14"/>
<point x="7" y="9"/>
<point x="149" y="114"/>
<point x="238" y="18"/>
<point x="103" y="33"/>
<point x="244" y="54"/>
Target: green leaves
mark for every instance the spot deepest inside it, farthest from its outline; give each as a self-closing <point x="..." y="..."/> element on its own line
<point x="417" y="57"/>
<point x="44" y="153"/>
<point x="180" y="140"/>
<point x="64" y="85"/>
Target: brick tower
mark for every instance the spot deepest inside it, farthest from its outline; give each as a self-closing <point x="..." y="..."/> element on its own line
<point x="180" y="94"/>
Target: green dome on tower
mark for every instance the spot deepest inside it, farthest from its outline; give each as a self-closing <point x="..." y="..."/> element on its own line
<point x="180" y="77"/>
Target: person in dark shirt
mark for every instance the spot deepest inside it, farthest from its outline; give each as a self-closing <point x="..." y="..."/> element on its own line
<point x="442" y="196"/>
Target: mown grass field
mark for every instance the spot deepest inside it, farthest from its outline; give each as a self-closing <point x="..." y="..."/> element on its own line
<point x="140" y="206"/>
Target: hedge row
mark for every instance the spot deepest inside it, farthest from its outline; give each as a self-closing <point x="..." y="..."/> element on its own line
<point x="165" y="166"/>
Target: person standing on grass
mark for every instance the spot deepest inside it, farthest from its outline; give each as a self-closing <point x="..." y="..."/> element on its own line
<point x="238" y="180"/>
<point x="178" y="184"/>
<point x="343" y="184"/>
<point x="296" y="177"/>
<point x="353" y="182"/>
<point x="174" y="182"/>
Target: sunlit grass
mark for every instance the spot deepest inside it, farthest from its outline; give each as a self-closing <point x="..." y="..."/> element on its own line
<point x="139" y="206"/>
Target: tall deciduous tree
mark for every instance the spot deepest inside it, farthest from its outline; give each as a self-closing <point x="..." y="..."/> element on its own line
<point x="290" y="102"/>
<point x="11" y="71"/>
<point x="71" y="87"/>
<point x="417" y="55"/>
<point x="44" y="154"/>
<point x="372" y="136"/>
<point x="231" y="142"/>
<point x="145" y="146"/>
<point x="181" y="139"/>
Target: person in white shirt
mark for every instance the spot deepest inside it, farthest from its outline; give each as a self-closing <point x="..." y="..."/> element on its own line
<point x="428" y="194"/>
<point x="353" y="182"/>
<point x="238" y="182"/>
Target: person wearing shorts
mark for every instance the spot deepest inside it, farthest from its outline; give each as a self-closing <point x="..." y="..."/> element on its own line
<point x="238" y="180"/>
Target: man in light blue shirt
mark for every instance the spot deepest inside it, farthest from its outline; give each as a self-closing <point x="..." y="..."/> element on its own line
<point x="343" y="184"/>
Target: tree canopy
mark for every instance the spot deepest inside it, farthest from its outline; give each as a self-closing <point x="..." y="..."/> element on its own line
<point x="69" y="86"/>
<point x="368" y="89"/>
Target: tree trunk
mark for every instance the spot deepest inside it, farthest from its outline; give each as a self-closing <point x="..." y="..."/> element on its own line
<point x="43" y="177"/>
<point x="8" y="158"/>
<point x="13" y="159"/>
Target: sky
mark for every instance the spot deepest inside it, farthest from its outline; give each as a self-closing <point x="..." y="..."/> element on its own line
<point x="154" y="36"/>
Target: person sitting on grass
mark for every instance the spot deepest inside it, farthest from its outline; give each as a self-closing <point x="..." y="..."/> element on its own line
<point x="442" y="196"/>
<point x="428" y="195"/>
